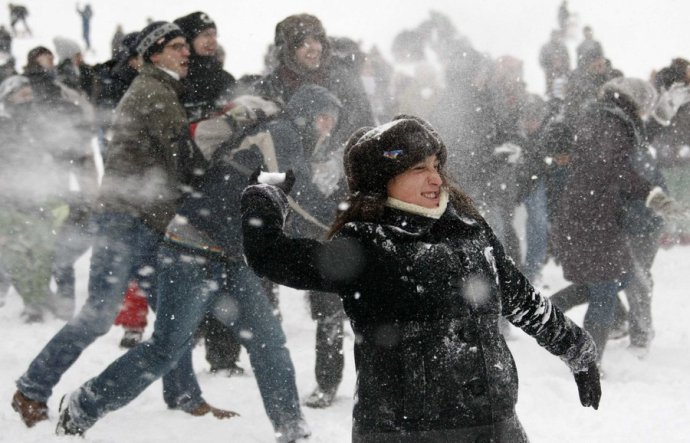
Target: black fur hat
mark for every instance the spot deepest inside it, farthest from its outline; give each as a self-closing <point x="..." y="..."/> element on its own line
<point x="373" y="156"/>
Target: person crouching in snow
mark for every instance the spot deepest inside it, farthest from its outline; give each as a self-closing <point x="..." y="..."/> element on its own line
<point x="424" y="281"/>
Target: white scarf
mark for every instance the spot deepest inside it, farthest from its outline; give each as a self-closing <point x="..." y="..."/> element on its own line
<point x="435" y="213"/>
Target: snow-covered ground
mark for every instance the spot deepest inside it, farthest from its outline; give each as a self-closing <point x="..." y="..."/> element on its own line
<point x="643" y="400"/>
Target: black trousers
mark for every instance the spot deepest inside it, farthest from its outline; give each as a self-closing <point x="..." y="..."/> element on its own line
<point x="327" y="310"/>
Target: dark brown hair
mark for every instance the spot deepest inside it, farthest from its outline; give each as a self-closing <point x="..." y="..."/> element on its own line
<point x="368" y="208"/>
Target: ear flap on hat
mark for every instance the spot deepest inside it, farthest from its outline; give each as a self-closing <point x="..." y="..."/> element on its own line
<point x="352" y="141"/>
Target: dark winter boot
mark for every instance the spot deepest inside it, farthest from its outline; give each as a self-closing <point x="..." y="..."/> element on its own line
<point x="65" y="424"/>
<point x="321" y="398"/>
<point x="232" y="370"/>
<point x="31" y="411"/>
<point x="131" y="338"/>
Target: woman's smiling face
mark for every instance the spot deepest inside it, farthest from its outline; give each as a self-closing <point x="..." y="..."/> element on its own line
<point x="420" y="185"/>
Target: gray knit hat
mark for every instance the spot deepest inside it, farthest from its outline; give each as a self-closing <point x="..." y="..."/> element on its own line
<point x="153" y="38"/>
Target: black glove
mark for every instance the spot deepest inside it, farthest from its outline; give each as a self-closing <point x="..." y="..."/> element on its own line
<point x="284" y="184"/>
<point x="588" y="386"/>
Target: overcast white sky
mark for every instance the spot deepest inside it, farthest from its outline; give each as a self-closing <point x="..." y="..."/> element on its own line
<point x="638" y="35"/>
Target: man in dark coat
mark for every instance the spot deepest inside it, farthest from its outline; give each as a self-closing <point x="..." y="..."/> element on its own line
<point x="555" y="61"/>
<point x="207" y="88"/>
<point x="589" y="228"/>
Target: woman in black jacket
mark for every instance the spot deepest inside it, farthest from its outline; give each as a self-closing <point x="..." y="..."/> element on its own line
<point x="424" y="281"/>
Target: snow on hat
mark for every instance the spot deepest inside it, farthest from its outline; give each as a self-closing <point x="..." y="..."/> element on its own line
<point x="65" y="48"/>
<point x="192" y="24"/>
<point x="154" y="36"/>
<point x="373" y="156"/>
<point x="11" y="85"/>
<point x="640" y="92"/>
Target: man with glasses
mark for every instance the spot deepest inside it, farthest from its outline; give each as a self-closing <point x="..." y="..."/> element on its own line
<point x="151" y="162"/>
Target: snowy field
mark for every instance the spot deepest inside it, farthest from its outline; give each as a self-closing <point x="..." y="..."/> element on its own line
<point x="643" y="400"/>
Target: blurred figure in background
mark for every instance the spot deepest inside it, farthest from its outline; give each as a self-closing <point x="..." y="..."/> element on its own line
<point x="32" y="198"/>
<point x="18" y="13"/>
<point x="555" y="61"/>
<point x="415" y="84"/>
<point x="85" y="13"/>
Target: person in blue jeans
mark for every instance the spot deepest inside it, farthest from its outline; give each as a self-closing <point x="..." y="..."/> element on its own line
<point x="151" y="162"/>
<point x="190" y="284"/>
<point x="201" y="268"/>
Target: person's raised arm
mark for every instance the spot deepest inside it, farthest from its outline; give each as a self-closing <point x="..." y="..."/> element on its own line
<point x="330" y="266"/>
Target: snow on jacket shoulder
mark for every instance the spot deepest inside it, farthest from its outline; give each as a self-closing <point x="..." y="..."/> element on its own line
<point x="424" y="297"/>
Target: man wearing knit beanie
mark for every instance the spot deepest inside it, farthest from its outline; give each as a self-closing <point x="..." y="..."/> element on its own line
<point x="151" y="163"/>
<point x="303" y="52"/>
<point x="194" y="24"/>
<point x="155" y="36"/>
<point x="207" y="86"/>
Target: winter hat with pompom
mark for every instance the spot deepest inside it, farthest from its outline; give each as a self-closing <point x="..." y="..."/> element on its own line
<point x="154" y="37"/>
<point x="373" y="156"/>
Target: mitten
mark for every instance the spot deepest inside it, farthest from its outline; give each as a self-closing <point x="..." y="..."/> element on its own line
<point x="669" y="102"/>
<point x="588" y="386"/>
<point x="668" y="208"/>
<point x="581" y="359"/>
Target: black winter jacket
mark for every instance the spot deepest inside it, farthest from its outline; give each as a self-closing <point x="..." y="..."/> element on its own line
<point x="207" y="87"/>
<point x="424" y="298"/>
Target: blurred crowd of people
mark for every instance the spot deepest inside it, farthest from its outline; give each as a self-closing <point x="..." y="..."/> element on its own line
<point x="600" y="162"/>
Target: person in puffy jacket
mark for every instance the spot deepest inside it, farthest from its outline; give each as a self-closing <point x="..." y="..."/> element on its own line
<point x="424" y="282"/>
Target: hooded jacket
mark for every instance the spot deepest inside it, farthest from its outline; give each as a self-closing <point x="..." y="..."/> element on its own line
<point x="589" y="229"/>
<point x="334" y="74"/>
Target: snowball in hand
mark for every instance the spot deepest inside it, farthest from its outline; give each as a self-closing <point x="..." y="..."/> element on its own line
<point x="271" y="178"/>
